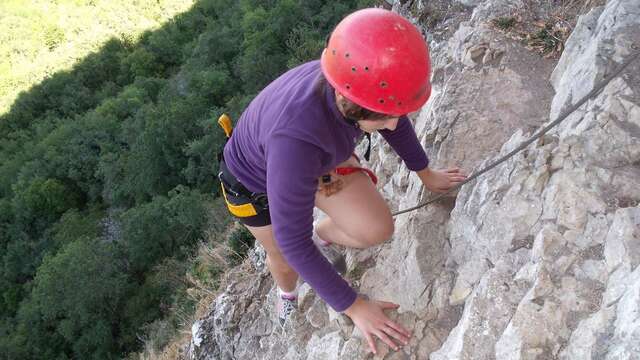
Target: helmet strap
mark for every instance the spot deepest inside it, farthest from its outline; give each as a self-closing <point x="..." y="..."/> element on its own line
<point x="353" y="122"/>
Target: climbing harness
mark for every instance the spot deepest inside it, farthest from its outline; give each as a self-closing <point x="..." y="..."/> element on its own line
<point x="243" y="203"/>
<point x="348" y="170"/>
<point x="329" y="186"/>
<point x="240" y="201"/>
<point x="536" y="136"/>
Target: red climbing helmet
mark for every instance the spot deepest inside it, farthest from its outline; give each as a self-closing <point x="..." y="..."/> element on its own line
<point x="378" y="60"/>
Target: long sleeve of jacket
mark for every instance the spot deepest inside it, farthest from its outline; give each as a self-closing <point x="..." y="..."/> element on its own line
<point x="292" y="170"/>
<point x="406" y="144"/>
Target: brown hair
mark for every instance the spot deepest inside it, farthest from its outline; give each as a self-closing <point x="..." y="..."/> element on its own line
<point x="351" y="110"/>
<point x="357" y="112"/>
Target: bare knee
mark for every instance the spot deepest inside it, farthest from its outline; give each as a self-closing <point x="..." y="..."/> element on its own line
<point x="375" y="234"/>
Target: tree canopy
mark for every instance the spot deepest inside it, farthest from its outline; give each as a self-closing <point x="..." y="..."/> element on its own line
<point x="107" y="168"/>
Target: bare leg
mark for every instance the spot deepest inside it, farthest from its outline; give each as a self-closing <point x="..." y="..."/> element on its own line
<point x="284" y="276"/>
<point x="329" y="231"/>
<point x="358" y="215"/>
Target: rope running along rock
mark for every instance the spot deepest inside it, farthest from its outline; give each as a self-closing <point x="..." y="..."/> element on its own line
<point x="536" y="136"/>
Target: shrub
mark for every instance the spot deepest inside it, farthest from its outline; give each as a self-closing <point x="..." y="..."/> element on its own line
<point x="240" y="241"/>
<point x="53" y="36"/>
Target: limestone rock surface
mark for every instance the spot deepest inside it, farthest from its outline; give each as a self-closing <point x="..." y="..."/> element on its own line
<point x="537" y="259"/>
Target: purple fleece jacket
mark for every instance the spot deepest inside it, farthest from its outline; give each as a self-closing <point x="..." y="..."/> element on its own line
<point x="291" y="134"/>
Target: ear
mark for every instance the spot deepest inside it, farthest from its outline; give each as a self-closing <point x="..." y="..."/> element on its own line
<point x="340" y="102"/>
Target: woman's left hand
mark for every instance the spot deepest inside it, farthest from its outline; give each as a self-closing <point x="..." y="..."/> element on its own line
<point x="440" y="181"/>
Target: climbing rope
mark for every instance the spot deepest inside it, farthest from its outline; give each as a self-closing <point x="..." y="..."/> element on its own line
<point x="536" y="136"/>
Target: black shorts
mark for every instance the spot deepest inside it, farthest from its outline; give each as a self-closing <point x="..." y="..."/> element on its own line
<point x="237" y="197"/>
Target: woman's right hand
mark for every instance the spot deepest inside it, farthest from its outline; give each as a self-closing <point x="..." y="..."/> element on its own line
<point x="370" y="318"/>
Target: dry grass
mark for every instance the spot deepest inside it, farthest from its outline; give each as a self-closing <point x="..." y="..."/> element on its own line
<point x="504" y="22"/>
<point x="549" y="39"/>
<point x="544" y="25"/>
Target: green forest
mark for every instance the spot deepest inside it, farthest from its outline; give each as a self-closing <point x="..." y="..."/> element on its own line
<point x="107" y="168"/>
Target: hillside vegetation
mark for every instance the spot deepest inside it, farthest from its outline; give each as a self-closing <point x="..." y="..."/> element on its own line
<point x="107" y="168"/>
<point x="41" y="37"/>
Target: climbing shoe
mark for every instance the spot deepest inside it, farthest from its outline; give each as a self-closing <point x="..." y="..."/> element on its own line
<point x="335" y="257"/>
<point x="285" y="306"/>
<point x="332" y="254"/>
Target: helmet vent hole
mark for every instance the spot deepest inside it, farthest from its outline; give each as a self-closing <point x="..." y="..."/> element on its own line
<point x="366" y="68"/>
<point x="381" y="101"/>
<point x="333" y="52"/>
<point x="399" y="103"/>
<point x="347" y="55"/>
<point x="353" y="69"/>
<point x="348" y="86"/>
<point x="383" y="84"/>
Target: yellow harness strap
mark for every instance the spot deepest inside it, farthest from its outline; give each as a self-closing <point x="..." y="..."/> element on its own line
<point x="243" y="210"/>
<point x="225" y="123"/>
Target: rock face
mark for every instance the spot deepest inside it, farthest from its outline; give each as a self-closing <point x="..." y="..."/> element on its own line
<point x="537" y="259"/>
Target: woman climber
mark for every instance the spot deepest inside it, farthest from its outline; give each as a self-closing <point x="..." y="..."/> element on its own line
<point x="298" y="135"/>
